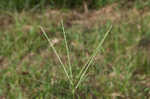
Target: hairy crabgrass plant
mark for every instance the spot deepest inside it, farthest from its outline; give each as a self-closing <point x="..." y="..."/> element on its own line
<point x="75" y="83"/>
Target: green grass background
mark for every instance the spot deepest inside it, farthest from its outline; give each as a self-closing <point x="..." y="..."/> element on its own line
<point x="30" y="70"/>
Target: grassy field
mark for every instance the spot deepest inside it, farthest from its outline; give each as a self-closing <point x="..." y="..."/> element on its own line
<point x="29" y="69"/>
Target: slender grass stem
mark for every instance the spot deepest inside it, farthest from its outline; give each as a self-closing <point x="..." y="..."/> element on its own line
<point x="67" y="48"/>
<point x="63" y="66"/>
<point x="87" y="65"/>
<point x="73" y="93"/>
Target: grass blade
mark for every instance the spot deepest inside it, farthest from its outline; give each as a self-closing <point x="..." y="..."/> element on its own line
<point x="67" y="48"/>
<point x="63" y="66"/>
<point x="90" y="60"/>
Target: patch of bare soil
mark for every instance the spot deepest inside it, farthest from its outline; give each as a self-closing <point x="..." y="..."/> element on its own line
<point x="93" y="17"/>
<point x="72" y="17"/>
<point x="5" y="21"/>
<point x="89" y="19"/>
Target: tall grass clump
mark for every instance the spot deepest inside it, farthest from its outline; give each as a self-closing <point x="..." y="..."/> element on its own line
<point x="38" y="4"/>
<point x="75" y="80"/>
<point x="35" y="5"/>
<point x="22" y="4"/>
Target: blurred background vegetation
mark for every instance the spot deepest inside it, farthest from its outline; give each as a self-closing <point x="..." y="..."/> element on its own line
<point x="91" y="4"/>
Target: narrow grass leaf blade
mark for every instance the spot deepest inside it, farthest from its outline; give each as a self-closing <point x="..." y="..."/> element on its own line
<point x="87" y="65"/>
<point x="67" y="48"/>
<point x="63" y="66"/>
